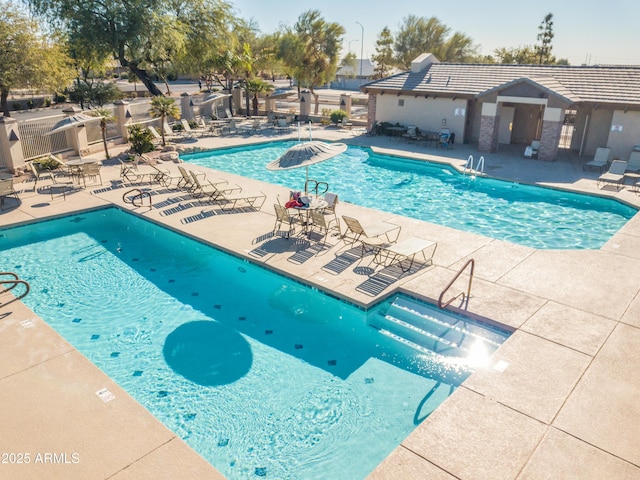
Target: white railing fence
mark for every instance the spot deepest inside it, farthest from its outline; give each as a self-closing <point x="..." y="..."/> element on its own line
<point x="35" y="141"/>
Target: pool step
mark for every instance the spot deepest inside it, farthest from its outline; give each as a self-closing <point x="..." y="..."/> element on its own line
<point x="442" y="322"/>
<point x="437" y="331"/>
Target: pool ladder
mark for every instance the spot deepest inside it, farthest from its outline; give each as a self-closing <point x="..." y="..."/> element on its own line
<point x="11" y="283"/>
<point x="465" y="296"/>
<point x="139" y="195"/>
<point x="468" y="167"/>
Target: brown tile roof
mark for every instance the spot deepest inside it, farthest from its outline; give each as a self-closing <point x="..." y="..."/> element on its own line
<point x="602" y="84"/>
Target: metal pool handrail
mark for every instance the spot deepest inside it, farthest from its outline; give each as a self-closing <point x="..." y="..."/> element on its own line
<point x="13" y="283"/>
<point x="450" y="284"/>
<point x="140" y="195"/>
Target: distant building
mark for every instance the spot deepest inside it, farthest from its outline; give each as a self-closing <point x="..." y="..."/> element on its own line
<point x="349" y="79"/>
<point x="574" y="107"/>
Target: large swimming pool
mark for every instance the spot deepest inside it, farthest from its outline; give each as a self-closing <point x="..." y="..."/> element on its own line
<point x="261" y="375"/>
<point x="534" y="216"/>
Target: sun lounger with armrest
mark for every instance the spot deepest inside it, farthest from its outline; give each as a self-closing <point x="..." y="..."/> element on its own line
<point x="230" y="200"/>
<point x="407" y="250"/>
<point x="633" y="164"/>
<point x="207" y="188"/>
<point x="356" y="232"/>
<point x="615" y="174"/>
<point x="600" y="159"/>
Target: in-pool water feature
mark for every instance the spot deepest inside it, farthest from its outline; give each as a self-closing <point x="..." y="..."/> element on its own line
<point x="261" y="375"/>
<point x="528" y="215"/>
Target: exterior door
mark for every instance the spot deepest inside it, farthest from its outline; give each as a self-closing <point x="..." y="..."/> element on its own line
<point x="506" y="124"/>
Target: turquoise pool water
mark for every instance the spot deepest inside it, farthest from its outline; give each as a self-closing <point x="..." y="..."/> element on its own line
<point x="261" y="375"/>
<point x="534" y="216"/>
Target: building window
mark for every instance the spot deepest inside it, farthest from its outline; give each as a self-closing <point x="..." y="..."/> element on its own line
<point x="401" y="102"/>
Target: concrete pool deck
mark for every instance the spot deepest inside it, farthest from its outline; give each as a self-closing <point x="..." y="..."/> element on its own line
<point x="559" y="399"/>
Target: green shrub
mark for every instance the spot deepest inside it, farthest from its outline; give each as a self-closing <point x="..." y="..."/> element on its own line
<point x="47" y="163"/>
<point x="338" y="116"/>
<point x="16" y="106"/>
<point x="141" y="139"/>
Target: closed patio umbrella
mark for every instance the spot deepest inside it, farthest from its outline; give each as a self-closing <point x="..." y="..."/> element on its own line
<point x="72" y="122"/>
<point x="215" y="96"/>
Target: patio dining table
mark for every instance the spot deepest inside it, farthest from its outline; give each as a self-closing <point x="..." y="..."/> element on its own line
<point x="397" y="131"/>
<point x="317" y="203"/>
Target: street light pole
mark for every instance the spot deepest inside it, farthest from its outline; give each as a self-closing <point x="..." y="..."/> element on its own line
<point x="361" y="49"/>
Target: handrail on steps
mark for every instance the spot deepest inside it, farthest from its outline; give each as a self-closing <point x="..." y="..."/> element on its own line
<point x="13" y="283"/>
<point x="450" y="284"/>
<point x="140" y="195"/>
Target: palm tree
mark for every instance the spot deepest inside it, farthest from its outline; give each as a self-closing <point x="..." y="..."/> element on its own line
<point x="163" y="107"/>
<point x="106" y="116"/>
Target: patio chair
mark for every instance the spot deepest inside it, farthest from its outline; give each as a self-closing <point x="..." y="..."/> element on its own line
<point x="284" y="218"/>
<point x="600" y="159"/>
<point x="411" y="134"/>
<point x="535" y="146"/>
<point x="90" y="171"/>
<point x="6" y="189"/>
<point x="332" y="201"/>
<point x="615" y="175"/>
<point x="230" y="127"/>
<point x="281" y="124"/>
<point x="406" y="250"/>
<point x="324" y="224"/>
<point x="40" y="173"/>
<point x="633" y="164"/>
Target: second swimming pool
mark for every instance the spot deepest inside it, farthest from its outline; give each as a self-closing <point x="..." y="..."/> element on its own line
<point x="261" y="375"/>
<point x="533" y="216"/>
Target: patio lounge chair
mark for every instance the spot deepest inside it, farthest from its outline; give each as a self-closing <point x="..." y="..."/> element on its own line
<point x="207" y="188"/>
<point x="633" y="164"/>
<point x="356" y="232"/>
<point x="600" y="159"/>
<point x="164" y="176"/>
<point x="615" y="174"/>
<point x="406" y="250"/>
<point x="191" y="132"/>
<point x="230" y="200"/>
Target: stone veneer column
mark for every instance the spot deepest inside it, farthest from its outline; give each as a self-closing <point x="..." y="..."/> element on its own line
<point x="488" y="138"/>
<point x="550" y="135"/>
<point x="123" y="118"/>
<point x="305" y="105"/>
<point x="269" y="104"/>
<point x="345" y="103"/>
<point x="77" y="136"/>
<point x="10" y="147"/>
<point x="371" y="111"/>
<point x="186" y="106"/>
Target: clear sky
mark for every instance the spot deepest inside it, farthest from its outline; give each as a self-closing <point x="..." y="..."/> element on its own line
<point x="586" y="31"/>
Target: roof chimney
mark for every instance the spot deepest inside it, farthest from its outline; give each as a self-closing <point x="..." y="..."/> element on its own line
<point x="423" y="61"/>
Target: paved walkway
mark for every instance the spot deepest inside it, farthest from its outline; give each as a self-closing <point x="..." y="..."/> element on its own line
<point x="562" y="404"/>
